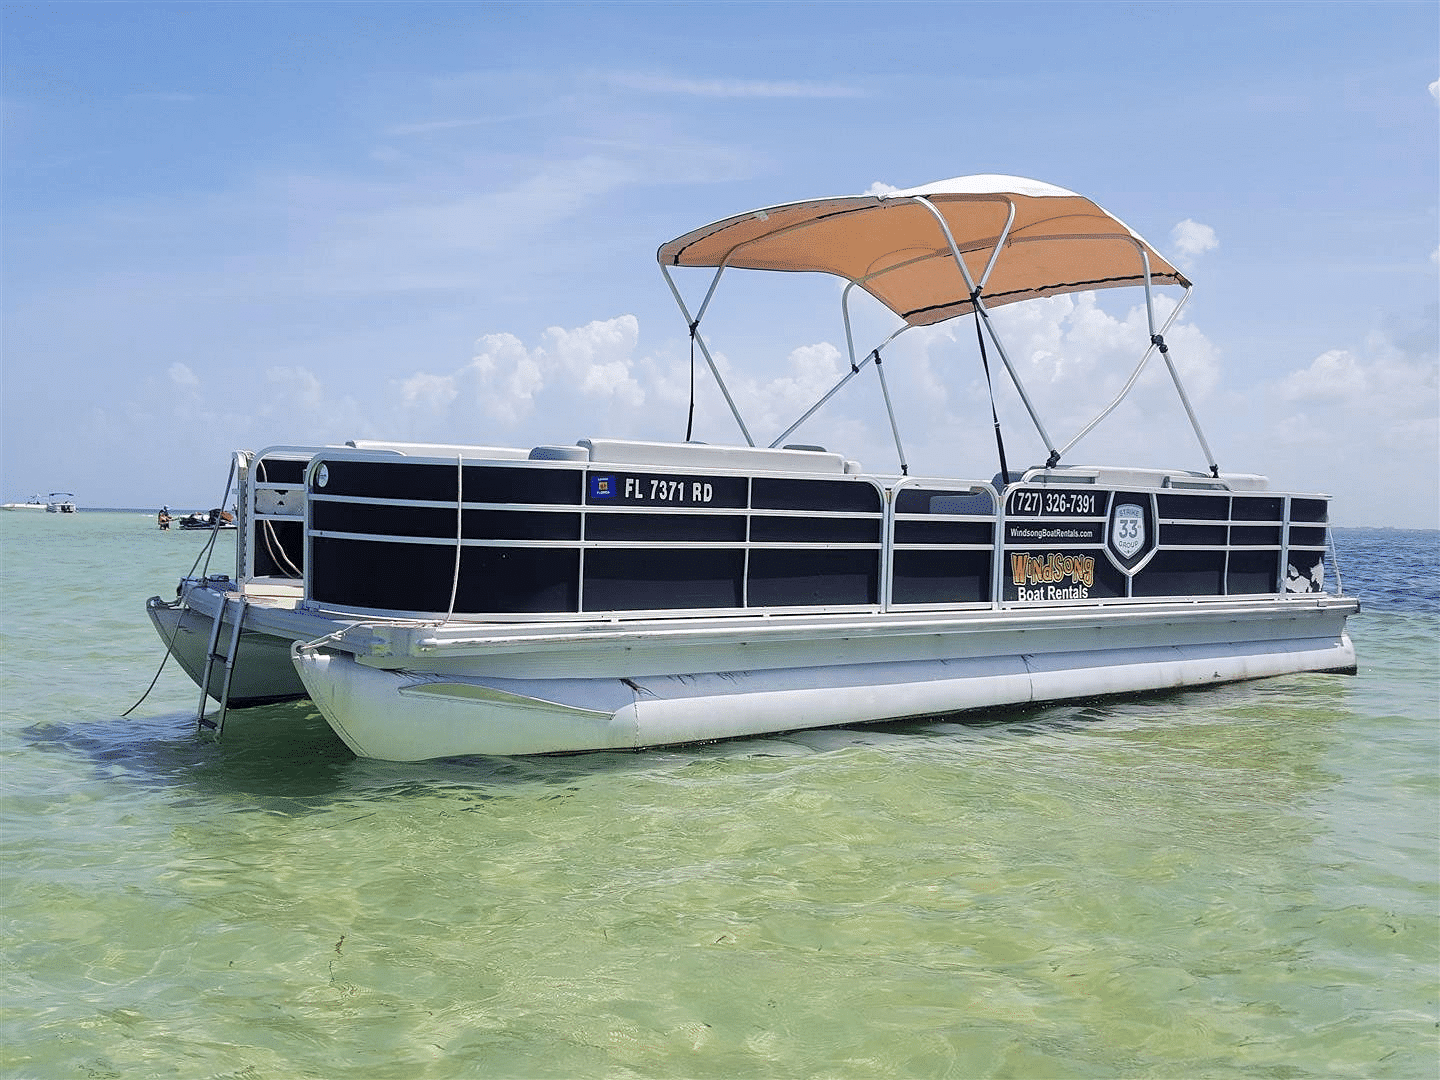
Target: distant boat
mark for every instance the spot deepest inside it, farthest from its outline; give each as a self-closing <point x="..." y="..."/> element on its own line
<point x="61" y="502"/>
<point x="35" y="503"/>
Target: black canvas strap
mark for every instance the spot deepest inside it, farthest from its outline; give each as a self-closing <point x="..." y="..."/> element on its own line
<point x="690" y="420"/>
<point x="994" y="415"/>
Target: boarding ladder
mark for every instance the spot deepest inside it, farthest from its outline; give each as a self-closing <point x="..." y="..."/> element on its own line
<point x="226" y="658"/>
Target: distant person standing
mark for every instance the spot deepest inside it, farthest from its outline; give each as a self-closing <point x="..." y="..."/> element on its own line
<point x="163" y="519"/>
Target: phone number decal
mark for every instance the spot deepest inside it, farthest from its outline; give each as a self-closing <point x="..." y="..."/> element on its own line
<point x="1034" y="502"/>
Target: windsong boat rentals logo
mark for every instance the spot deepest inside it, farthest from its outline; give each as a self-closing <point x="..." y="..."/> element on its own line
<point x="1052" y="577"/>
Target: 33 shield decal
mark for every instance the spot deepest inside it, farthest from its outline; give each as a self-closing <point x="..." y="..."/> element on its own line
<point x="1130" y="539"/>
<point x="1128" y="529"/>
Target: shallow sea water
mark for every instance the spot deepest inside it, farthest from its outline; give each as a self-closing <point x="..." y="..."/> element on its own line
<point x="1234" y="882"/>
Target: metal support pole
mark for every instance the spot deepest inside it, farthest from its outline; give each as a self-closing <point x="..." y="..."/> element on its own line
<point x="1157" y="339"/>
<point x="1019" y="386"/>
<point x="854" y="370"/>
<point x="704" y="349"/>
<point x="894" y="428"/>
<point x="985" y="315"/>
<point x="1130" y="383"/>
<point x="1185" y="400"/>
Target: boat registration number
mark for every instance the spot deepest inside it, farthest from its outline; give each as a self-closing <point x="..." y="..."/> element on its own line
<point x="1034" y="502"/>
<point x="649" y="489"/>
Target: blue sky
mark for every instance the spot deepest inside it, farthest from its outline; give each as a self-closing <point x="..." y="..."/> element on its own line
<point x="247" y="224"/>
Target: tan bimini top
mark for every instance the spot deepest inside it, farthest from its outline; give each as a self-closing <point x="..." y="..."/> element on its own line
<point x="892" y="245"/>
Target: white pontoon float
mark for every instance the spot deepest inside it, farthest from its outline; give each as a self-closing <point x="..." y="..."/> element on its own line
<point x="450" y="600"/>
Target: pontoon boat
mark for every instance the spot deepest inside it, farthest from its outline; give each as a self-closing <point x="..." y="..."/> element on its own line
<point x="440" y="600"/>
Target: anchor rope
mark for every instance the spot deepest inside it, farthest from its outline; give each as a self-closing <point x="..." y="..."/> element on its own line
<point x="204" y="554"/>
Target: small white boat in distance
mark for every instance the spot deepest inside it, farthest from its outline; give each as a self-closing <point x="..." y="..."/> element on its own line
<point x="61" y="502"/>
<point x="440" y="600"/>
<point x="34" y="503"/>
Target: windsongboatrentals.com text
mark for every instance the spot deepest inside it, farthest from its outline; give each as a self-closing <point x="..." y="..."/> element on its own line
<point x="1049" y="534"/>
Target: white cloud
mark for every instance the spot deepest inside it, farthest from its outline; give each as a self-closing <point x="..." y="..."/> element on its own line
<point x="1360" y="422"/>
<point x="879" y="187"/>
<point x="1191" y="240"/>
<point x="296" y="384"/>
<point x="1385" y="394"/>
<point x="428" y="393"/>
<point x="500" y="381"/>
<point x="181" y="375"/>
<point x="1070" y="350"/>
<point x="293" y="405"/>
<point x="586" y="372"/>
<point x="1332" y="374"/>
<point x="772" y="404"/>
<point x="1435" y="89"/>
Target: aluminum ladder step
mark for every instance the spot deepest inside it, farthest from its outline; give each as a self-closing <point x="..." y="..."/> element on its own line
<point x="227" y="659"/>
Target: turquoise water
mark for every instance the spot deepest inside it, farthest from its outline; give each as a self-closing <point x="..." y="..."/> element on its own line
<point x="1235" y="882"/>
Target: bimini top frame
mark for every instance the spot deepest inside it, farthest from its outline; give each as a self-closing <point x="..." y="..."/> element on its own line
<point x="935" y="253"/>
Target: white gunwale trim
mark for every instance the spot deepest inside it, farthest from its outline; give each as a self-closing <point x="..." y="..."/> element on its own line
<point x="780" y="624"/>
<point x="585" y="545"/>
<point x="913" y="546"/>
<point x="593" y="508"/>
